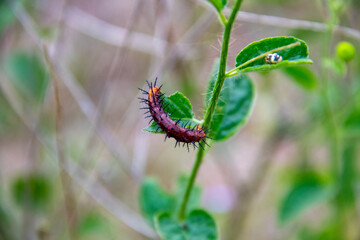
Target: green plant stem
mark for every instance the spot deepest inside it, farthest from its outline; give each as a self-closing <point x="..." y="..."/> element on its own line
<point x="211" y="107"/>
<point x="223" y="18"/>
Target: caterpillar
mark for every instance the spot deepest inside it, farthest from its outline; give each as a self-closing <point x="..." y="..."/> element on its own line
<point x="156" y="110"/>
<point x="273" y="58"/>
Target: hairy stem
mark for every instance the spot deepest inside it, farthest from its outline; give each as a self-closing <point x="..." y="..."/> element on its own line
<point x="213" y="101"/>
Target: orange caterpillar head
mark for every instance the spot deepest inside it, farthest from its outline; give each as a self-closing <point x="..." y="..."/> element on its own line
<point x="153" y="91"/>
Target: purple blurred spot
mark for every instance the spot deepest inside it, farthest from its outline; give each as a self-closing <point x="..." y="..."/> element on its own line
<point x="219" y="198"/>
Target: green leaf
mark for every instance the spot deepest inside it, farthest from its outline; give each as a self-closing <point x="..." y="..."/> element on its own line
<point x="194" y="199"/>
<point x="234" y="104"/>
<point x="218" y="4"/>
<point x="352" y="121"/>
<point x="198" y="225"/>
<point x="292" y="50"/>
<point x="302" y="76"/>
<point x="8" y="120"/>
<point x="94" y="226"/>
<point x="335" y="65"/>
<point x="180" y="107"/>
<point x="7" y="226"/>
<point x="6" y="16"/>
<point x="32" y="192"/>
<point x="347" y="181"/>
<point x="303" y="196"/>
<point x="28" y="74"/>
<point x="153" y="199"/>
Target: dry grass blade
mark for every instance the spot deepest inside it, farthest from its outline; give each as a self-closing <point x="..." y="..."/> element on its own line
<point x="98" y="192"/>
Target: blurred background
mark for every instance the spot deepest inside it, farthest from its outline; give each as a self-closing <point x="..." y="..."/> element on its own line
<point x="72" y="148"/>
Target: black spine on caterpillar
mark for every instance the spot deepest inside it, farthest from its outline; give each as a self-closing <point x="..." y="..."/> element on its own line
<point x="173" y="129"/>
<point x="273" y="58"/>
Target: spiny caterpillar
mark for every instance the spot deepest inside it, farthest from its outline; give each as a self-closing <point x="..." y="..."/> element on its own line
<point x="157" y="112"/>
<point x="273" y="58"/>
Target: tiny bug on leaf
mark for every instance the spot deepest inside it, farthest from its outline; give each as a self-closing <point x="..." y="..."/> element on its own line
<point x="273" y="58"/>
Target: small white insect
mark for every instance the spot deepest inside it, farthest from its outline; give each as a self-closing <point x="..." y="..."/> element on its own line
<point x="273" y="58"/>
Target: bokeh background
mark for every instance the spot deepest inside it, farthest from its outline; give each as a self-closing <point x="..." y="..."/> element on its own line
<point x="72" y="148"/>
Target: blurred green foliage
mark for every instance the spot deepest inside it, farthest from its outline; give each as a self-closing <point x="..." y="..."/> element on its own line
<point x="154" y="199"/>
<point x="32" y="192"/>
<point x="94" y="226"/>
<point x="198" y="225"/>
<point x="6" y="225"/>
<point x="303" y="195"/>
<point x="8" y="120"/>
<point x="6" y="16"/>
<point x="28" y="74"/>
<point x="302" y="76"/>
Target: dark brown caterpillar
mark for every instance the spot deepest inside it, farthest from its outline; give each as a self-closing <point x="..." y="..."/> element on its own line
<point x="172" y="129"/>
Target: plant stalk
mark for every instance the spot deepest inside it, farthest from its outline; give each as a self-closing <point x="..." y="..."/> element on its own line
<point x="213" y="101"/>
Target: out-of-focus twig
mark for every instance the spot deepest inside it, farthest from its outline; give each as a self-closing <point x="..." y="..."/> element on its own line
<point x="111" y="34"/>
<point x="182" y="52"/>
<point x="248" y="191"/>
<point x="69" y="201"/>
<point x="97" y="191"/>
<point x="293" y="23"/>
<point x="85" y="103"/>
<point x="116" y="63"/>
<point x="114" y="35"/>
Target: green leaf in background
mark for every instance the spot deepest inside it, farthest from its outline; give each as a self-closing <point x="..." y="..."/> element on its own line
<point x="335" y="65"/>
<point x="7" y="226"/>
<point x="94" y="226"/>
<point x="153" y="199"/>
<point x="303" y="196"/>
<point x="352" y="121"/>
<point x="198" y="225"/>
<point x="347" y="181"/>
<point x="181" y="108"/>
<point x="194" y="200"/>
<point x="218" y="4"/>
<point x="302" y="76"/>
<point x="292" y="50"/>
<point x="234" y="105"/>
<point x="28" y="74"/>
<point x="331" y="230"/>
<point x="8" y="120"/>
<point x="32" y="192"/>
<point x="6" y="16"/>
